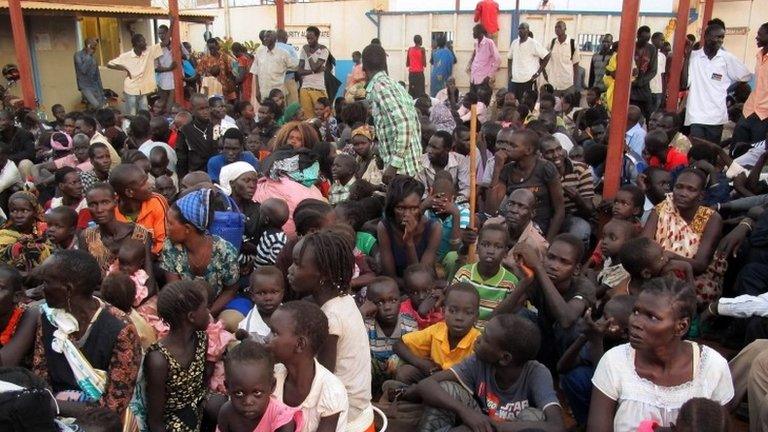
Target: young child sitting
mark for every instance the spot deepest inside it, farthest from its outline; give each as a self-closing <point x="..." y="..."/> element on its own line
<point x="267" y="291"/>
<point x="423" y="300"/>
<point x="441" y="206"/>
<point x="343" y="170"/>
<point x="492" y="281"/>
<point x="300" y="329"/>
<point x="166" y="187"/>
<point x="272" y="216"/>
<point x="386" y="328"/>
<point x="158" y="166"/>
<point x="176" y="402"/>
<point x="628" y="206"/>
<point x="131" y="259"/>
<point x="119" y="290"/>
<point x="696" y="415"/>
<point x="441" y="345"/>
<point x="250" y="381"/>
<point x="329" y="129"/>
<point x="577" y="365"/>
<point x="615" y="234"/>
<point x="62" y="224"/>
<point x="497" y="384"/>
<point x="644" y="259"/>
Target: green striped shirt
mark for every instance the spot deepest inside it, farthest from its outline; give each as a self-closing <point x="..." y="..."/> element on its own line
<point x="492" y="290"/>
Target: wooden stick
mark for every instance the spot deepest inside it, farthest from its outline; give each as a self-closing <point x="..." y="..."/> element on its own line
<point x="471" y="256"/>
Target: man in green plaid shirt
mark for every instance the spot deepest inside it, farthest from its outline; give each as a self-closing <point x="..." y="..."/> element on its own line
<point x="394" y="115"/>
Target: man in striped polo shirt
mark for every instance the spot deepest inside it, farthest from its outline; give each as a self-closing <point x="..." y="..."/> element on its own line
<point x="491" y="280"/>
<point x="578" y="189"/>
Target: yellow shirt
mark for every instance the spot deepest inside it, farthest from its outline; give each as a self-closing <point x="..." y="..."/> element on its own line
<point x="432" y="342"/>
<point x="142" y="69"/>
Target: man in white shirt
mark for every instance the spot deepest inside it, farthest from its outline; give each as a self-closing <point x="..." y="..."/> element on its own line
<point x="563" y="61"/>
<point x="711" y="70"/>
<point x="658" y="81"/>
<point x="139" y="66"/>
<point x="527" y="59"/>
<point x="270" y="64"/>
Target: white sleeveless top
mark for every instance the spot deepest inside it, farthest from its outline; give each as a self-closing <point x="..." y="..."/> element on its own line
<point x="639" y="399"/>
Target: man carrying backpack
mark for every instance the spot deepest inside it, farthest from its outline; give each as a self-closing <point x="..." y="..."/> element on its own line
<point x="563" y="62"/>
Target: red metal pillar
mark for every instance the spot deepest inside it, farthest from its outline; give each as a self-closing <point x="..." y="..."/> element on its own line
<point x="22" y="53"/>
<point x="678" y="55"/>
<point x="620" y="105"/>
<point x="280" y="14"/>
<point x="178" y="79"/>
<point x="458" y="6"/>
<point x="706" y="16"/>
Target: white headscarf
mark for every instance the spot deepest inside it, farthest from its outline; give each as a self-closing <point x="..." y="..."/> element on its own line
<point x="232" y="172"/>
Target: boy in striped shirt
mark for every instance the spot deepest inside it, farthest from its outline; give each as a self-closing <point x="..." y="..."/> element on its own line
<point x="492" y="281"/>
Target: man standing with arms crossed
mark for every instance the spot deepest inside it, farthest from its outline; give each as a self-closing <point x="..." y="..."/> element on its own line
<point x="139" y="66"/>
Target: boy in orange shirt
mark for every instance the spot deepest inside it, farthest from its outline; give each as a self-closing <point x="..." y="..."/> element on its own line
<point x="137" y="203"/>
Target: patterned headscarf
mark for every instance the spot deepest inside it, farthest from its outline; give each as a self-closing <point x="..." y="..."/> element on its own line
<point x="32" y="200"/>
<point x="363" y="130"/>
<point x="196" y="208"/>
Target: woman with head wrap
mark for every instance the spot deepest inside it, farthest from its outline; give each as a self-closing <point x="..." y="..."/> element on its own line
<point x="293" y="112"/>
<point x="369" y="164"/>
<point x="23" y="243"/>
<point x="192" y="252"/>
<point x="238" y="181"/>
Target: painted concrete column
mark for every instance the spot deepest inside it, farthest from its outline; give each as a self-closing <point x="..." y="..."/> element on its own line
<point x="627" y="36"/>
<point x="678" y="55"/>
<point x="23" y="61"/>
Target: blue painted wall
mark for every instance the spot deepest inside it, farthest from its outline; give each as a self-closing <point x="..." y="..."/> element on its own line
<point x="343" y="68"/>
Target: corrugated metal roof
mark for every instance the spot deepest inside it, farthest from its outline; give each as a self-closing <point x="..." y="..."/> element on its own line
<point x="107" y="9"/>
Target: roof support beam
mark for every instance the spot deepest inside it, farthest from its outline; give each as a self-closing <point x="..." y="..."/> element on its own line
<point x="23" y="61"/>
<point x="627" y="33"/>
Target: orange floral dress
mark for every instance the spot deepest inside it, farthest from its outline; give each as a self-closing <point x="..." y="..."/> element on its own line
<point x="676" y="235"/>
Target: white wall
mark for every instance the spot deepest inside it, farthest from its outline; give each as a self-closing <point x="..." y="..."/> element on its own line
<point x="350" y="29"/>
<point x="397" y="31"/>
<point x="560" y="5"/>
<point x="742" y="13"/>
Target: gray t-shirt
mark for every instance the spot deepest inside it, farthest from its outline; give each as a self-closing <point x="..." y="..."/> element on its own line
<point x="534" y="388"/>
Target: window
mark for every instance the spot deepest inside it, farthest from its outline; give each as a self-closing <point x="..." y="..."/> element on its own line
<point x="445" y="34"/>
<point x="589" y="42"/>
<point x="107" y="31"/>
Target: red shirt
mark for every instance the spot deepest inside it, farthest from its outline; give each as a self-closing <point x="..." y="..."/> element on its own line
<point x="245" y="87"/>
<point x="487" y="14"/>
<point x="415" y="59"/>
<point x="172" y="138"/>
<point x="675" y="158"/>
<point x="433" y="317"/>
